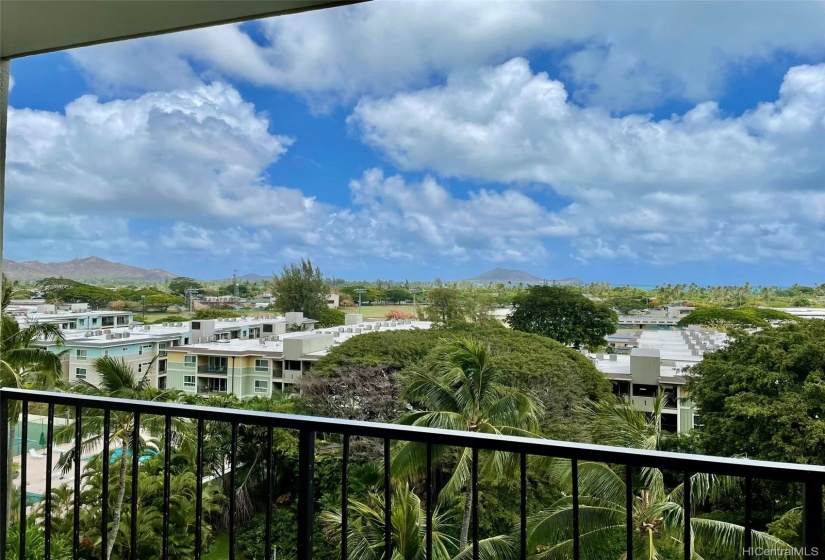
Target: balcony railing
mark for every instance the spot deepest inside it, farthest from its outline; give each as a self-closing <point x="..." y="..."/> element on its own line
<point x="212" y="369"/>
<point x="811" y="477"/>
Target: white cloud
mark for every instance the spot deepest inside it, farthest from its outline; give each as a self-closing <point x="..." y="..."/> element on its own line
<point x="198" y="153"/>
<point x="423" y="220"/>
<point x="669" y="190"/>
<point x="623" y="55"/>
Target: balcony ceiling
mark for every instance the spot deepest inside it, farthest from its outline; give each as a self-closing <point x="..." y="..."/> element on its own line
<point x="36" y="26"/>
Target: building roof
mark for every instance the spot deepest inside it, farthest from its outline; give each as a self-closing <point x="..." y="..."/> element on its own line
<point x="30" y="27"/>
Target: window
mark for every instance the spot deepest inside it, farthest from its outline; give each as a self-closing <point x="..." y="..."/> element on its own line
<point x="105" y="353"/>
<point x="190" y="361"/>
<point x="188" y="380"/>
<point x="80" y="373"/>
<point x="196" y="325"/>
<point x="81" y="355"/>
<point x="162" y="382"/>
<point x="186" y="340"/>
<point x="268" y="328"/>
<point x="161" y="366"/>
<point x="94" y="321"/>
<point x="260" y="386"/>
<point x="292" y="364"/>
<point x="261" y="365"/>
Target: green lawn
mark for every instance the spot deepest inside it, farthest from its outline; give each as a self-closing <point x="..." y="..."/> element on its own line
<point x="220" y="549"/>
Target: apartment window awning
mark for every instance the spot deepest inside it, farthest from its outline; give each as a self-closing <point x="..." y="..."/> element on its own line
<point x="29" y="27"/>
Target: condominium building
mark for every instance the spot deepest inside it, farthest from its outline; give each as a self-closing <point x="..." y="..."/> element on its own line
<point x="262" y="366"/>
<point x="655" y="366"/>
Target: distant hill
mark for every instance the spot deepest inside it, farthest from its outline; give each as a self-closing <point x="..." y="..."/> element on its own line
<point x="253" y="278"/>
<point x="81" y="269"/>
<point x="503" y="275"/>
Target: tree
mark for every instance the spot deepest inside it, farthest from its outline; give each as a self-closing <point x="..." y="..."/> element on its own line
<point x="764" y="395"/>
<point x="327" y="317"/>
<point x="117" y="381"/>
<point x="398" y="295"/>
<point x="740" y="317"/>
<point x="444" y="305"/>
<point x="215" y="313"/>
<point x="464" y="392"/>
<point x="561" y="378"/>
<point x="96" y="297"/>
<point x="563" y="315"/>
<point x="179" y="285"/>
<point x="356" y="392"/>
<point x="164" y="300"/>
<point x="300" y="288"/>
<point x="658" y="515"/>
<point x="409" y="526"/>
<point x="25" y="365"/>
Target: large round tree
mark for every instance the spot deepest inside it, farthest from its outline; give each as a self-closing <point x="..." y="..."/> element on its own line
<point x="764" y="395"/>
<point x="562" y="314"/>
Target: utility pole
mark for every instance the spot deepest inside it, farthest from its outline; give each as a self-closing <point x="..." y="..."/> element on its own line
<point x="414" y="291"/>
<point x="359" y="291"/>
<point x="235" y="282"/>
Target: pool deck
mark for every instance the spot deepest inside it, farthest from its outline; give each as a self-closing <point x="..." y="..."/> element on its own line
<point x="36" y="470"/>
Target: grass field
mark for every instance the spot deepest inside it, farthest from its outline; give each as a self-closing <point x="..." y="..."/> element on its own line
<point x="220" y="549"/>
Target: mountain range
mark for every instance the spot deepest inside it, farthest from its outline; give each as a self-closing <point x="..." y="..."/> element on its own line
<point x="504" y="275"/>
<point x="81" y="269"/>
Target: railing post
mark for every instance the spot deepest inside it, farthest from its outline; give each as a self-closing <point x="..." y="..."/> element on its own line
<point x="306" y="493"/>
<point x="812" y="536"/>
<point x="4" y="459"/>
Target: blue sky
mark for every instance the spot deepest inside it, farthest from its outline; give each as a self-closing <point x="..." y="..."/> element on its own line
<point x="634" y="143"/>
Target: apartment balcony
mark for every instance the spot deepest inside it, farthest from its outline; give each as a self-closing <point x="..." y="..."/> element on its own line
<point x="212" y="369"/>
<point x="306" y="428"/>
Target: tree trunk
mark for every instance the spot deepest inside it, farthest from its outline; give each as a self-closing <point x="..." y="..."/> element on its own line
<point x="465" y="525"/>
<point x="121" y="492"/>
<point x="10" y="468"/>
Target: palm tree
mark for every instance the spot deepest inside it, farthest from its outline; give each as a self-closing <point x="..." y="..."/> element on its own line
<point x="658" y="515"/>
<point x="117" y="380"/>
<point x="366" y="530"/>
<point x="462" y="391"/>
<point x="24" y="365"/>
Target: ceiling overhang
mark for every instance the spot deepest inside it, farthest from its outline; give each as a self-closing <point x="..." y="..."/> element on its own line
<point x="37" y="26"/>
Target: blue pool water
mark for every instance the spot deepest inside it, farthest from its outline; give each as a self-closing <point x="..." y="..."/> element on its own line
<point x="148" y="454"/>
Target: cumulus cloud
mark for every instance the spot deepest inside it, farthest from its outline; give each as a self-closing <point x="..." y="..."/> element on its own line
<point x="183" y="169"/>
<point x="400" y="219"/>
<point x="183" y="174"/>
<point x="198" y="153"/>
<point x="621" y="56"/>
<point x="690" y="187"/>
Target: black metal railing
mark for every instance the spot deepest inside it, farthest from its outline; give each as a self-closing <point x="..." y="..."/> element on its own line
<point x="811" y="477"/>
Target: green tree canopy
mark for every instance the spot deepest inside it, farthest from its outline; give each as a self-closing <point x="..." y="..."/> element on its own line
<point x="764" y="395"/>
<point x="742" y="316"/>
<point x="179" y="285"/>
<point x="215" y="313"/>
<point x="327" y="317"/>
<point x="444" y="305"/>
<point x="300" y="287"/>
<point x="559" y="377"/>
<point x="562" y="314"/>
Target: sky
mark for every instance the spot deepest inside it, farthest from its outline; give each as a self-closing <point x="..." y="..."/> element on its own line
<point x="629" y="142"/>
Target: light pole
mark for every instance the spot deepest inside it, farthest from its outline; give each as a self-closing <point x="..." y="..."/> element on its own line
<point x="143" y="303"/>
<point x="189" y="293"/>
<point x="359" y="291"/>
<point x="414" y="291"/>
